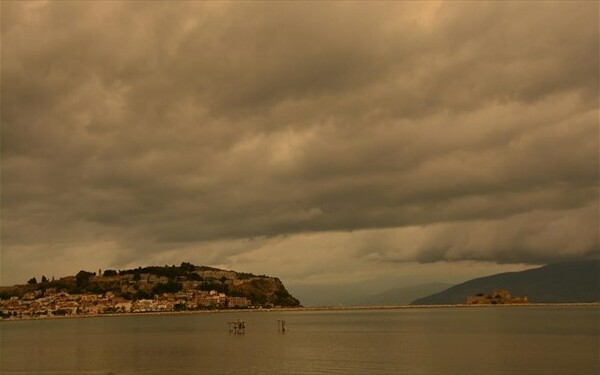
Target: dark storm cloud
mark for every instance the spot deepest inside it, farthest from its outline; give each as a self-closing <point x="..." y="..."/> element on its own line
<point x="158" y="125"/>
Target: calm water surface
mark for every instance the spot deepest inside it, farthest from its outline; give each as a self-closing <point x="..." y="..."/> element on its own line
<point x="519" y="340"/>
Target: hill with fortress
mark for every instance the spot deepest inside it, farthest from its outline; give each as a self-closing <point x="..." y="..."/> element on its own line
<point x="144" y="289"/>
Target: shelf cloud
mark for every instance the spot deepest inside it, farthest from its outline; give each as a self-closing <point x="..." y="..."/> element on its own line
<point x="237" y="133"/>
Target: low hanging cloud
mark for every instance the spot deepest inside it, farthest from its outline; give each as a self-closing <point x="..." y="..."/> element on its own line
<point x="160" y="130"/>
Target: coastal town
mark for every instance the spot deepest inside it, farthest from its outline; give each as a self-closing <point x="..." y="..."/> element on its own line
<point x="53" y="303"/>
<point x="142" y="290"/>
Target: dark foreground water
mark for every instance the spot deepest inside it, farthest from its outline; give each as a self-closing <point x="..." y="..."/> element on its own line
<point x="514" y="340"/>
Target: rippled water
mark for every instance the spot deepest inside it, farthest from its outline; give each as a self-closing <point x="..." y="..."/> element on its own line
<point x="514" y="340"/>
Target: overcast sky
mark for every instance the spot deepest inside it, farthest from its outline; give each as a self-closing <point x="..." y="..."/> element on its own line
<point x="324" y="143"/>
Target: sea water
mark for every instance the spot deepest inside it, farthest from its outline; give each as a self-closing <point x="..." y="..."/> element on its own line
<point x="495" y="340"/>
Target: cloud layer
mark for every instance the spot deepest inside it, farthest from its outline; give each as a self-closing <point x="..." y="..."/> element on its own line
<point x="416" y="132"/>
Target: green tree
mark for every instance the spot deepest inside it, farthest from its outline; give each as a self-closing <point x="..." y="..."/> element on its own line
<point x="44" y="279"/>
<point x="33" y="280"/>
<point x="83" y="277"/>
<point x="143" y="295"/>
<point x="187" y="267"/>
<point x="170" y="287"/>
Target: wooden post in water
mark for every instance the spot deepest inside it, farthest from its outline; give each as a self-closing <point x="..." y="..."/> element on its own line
<point x="237" y="327"/>
<point x="281" y="326"/>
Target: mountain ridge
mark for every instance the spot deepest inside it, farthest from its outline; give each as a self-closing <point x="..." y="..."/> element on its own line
<point x="401" y="295"/>
<point x="565" y="282"/>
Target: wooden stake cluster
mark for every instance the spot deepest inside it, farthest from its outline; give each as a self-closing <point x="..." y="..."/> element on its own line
<point x="237" y="327"/>
<point x="281" y="326"/>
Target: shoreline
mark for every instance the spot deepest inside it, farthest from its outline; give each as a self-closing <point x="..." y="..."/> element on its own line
<point x="304" y="309"/>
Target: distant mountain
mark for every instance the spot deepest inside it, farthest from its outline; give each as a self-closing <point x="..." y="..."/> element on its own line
<point x="560" y="282"/>
<point x="401" y="295"/>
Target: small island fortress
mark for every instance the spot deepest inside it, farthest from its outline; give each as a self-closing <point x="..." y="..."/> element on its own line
<point x="497" y="297"/>
<point x="150" y="289"/>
